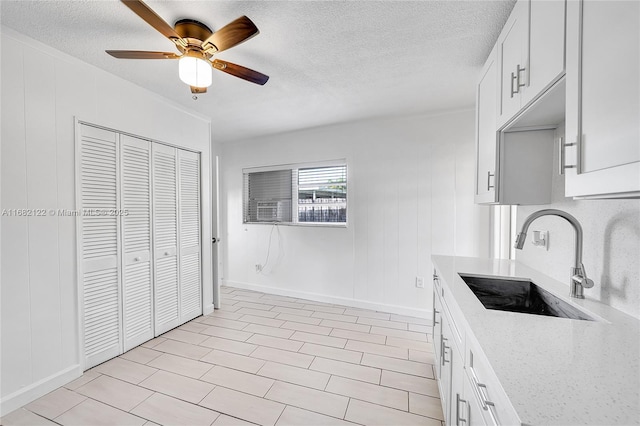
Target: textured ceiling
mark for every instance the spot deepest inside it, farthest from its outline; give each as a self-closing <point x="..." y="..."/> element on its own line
<point x="329" y="61"/>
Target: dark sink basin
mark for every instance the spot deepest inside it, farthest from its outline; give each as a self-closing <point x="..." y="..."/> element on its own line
<point x="523" y="296"/>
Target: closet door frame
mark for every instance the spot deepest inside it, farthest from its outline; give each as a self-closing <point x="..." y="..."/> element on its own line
<point x="78" y="123"/>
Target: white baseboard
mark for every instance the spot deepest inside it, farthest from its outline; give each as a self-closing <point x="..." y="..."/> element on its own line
<point x="42" y="387"/>
<point x="356" y="303"/>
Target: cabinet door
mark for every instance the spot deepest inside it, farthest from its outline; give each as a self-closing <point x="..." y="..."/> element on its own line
<point x="603" y="98"/>
<point x="189" y="236"/>
<point x="99" y="247"/>
<point x="437" y="322"/>
<point x="486" y="134"/>
<point x="135" y="172"/>
<point x="546" y="46"/>
<point x="456" y="409"/>
<point x="512" y="54"/>
<point x="165" y="224"/>
<point x="446" y="370"/>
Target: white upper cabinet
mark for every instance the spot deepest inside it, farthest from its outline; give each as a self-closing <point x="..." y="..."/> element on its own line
<point x="603" y="99"/>
<point x="486" y="134"/>
<point x="546" y="63"/>
<point x="512" y="166"/>
<point x="531" y="54"/>
<point x="512" y="56"/>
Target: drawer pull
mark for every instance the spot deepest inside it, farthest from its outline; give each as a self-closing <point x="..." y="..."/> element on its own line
<point x="444" y="350"/>
<point x="459" y="418"/>
<point x="484" y="400"/>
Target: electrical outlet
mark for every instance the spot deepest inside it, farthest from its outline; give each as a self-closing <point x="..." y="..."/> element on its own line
<point x="541" y="239"/>
<point x="258" y="267"/>
<point x="420" y="282"/>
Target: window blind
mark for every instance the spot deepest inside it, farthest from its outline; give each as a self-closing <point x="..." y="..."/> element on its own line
<point x="267" y="196"/>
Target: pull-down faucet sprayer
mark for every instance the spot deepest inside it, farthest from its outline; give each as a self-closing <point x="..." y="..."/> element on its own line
<point x="579" y="280"/>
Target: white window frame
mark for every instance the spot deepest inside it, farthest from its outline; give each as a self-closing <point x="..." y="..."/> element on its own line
<point x="294" y="167"/>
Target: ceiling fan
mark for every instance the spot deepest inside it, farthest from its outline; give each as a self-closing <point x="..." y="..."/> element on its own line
<point x="197" y="45"/>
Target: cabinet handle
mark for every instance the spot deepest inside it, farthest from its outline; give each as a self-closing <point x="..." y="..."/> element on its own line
<point x="136" y="259"/>
<point x="444" y="351"/>
<point x="487" y="404"/>
<point x="484" y="399"/>
<point x="518" y="71"/>
<point x="166" y="253"/>
<point x="579" y="142"/>
<point x="515" y="78"/>
<point x="459" y="419"/>
<point x="435" y="311"/>
<point x="562" y="166"/>
<point x="489" y="175"/>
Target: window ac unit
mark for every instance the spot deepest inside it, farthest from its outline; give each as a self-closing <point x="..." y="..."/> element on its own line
<point x="272" y="211"/>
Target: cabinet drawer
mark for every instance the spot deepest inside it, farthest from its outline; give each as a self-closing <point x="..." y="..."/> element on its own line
<point x="486" y="389"/>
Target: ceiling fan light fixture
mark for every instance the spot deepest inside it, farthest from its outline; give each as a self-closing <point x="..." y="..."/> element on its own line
<point x="195" y="71"/>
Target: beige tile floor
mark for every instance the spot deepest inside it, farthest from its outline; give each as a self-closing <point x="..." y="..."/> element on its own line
<point x="263" y="359"/>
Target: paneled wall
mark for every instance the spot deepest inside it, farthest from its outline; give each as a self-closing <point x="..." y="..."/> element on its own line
<point x="410" y="195"/>
<point x="41" y="95"/>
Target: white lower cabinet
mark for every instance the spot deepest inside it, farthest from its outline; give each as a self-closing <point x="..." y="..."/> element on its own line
<point x="469" y="390"/>
<point x="139" y="259"/>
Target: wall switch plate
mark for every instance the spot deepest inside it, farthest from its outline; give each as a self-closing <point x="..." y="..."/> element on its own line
<point x="420" y="282"/>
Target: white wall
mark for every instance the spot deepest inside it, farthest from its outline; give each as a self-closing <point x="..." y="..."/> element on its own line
<point x="611" y="253"/>
<point x="41" y="95"/>
<point x="410" y="195"/>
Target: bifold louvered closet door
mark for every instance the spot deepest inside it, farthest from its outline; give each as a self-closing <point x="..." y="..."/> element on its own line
<point x="139" y="240"/>
<point x="165" y="206"/>
<point x="190" y="288"/>
<point x="135" y="201"/>
<point x="99" y="249"/>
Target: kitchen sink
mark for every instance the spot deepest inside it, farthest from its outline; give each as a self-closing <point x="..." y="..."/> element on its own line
<point x="516" y="295"/>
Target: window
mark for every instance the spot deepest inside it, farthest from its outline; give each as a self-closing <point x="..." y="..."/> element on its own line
<point x="296" y="194"/>
<point x="322" y="194"/>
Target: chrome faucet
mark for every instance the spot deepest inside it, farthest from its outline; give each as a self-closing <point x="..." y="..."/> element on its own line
<point x="579" y="280"/>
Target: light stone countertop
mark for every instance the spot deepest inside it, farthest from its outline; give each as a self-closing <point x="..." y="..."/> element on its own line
<point x="555" y="371"/>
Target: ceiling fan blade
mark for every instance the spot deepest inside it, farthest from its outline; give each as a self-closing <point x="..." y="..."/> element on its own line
<point x="141" y="54"/>
<point x="232" y="34"/>
<point x="152" y="18"/>
<point x="240" y="71"/>
<point x="197" y="90"/>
